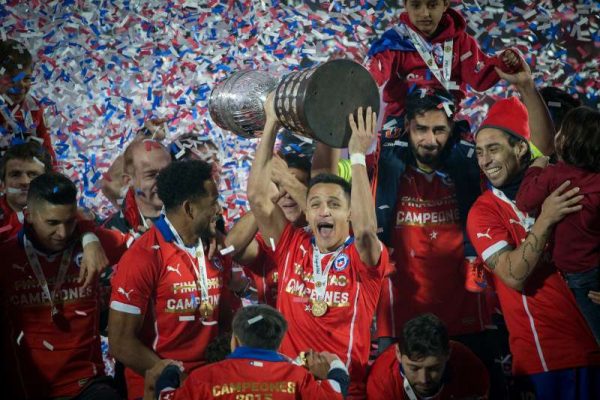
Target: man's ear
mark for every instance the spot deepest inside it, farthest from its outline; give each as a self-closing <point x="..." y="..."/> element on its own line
<point x="126" y="179"/>
<point x="521" y="149"/>
<point x="187" y="208"/>
<point x="446" y="4"/>
<point x="234" y="343"/>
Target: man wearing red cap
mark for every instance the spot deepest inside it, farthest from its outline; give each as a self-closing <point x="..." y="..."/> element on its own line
<point x="424" y="194"/>
<point x="554" y="353"/>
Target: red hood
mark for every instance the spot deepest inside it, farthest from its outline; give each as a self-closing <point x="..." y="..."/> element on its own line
<point x="451" y="25"/>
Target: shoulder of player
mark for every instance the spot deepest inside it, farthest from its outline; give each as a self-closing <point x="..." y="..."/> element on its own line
<point x="462" y="358"/>
<point x="10" y="248"/>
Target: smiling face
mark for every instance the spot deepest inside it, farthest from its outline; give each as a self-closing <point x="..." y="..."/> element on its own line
<point x="328" y="214"/>
<point x="425" y="15"/>
<point x="19" y="173"/>
<point x="16" y="86"/>
<point x="206" y="211"/>
<point x="497" y="158"/>
<point x="53" y="224"/>
<point x="147" y="163"/>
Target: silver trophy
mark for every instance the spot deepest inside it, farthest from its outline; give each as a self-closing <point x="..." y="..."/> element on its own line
<point x="314" y="102"/>
<point x="237" y="103"/>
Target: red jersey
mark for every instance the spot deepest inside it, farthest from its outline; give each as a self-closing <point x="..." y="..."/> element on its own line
<point x="401" y="70"/>
<point x="11" y="222"/>
<point x="263" y="272"/>
<point x="50" y="358"/>
<point x="546" y="330"/>
<point x="250" y="373"/>
<point x="428" y="252"/>
<point x="351" y="295"/>
<point x="465" y="376"/>
<point x="155" y="278"/>
<point x="25" y="120"/>
<point x="582" y="251"/>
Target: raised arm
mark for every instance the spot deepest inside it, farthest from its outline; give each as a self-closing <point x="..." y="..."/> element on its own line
<point x="269" y="217"/>
<point x="325" y="160"/>
<point x="362" y="211"/>
<point x="540" y="122"/>
<point x="514" y="265"/>
<point x="241" y="238"/>
<point x="287" y="182"/>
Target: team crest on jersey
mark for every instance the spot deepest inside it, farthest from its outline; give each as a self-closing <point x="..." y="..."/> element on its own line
<point x="341" y="262"/>
<point x="216" y="262"/>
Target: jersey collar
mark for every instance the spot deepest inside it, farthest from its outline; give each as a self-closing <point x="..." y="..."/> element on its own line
<point x="257" y="354"/>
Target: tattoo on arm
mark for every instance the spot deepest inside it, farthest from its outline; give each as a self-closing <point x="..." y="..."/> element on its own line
<point x="535" y="246"/>
<point x="492" y="261"/>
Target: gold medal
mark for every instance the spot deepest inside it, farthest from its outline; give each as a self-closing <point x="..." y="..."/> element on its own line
<point x="206" y="310"/>
<point x="319" y="308"/>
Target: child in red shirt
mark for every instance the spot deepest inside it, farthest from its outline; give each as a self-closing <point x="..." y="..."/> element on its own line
<point x="21" y="117"/>
<point x="430" y="48"/>
<point x="576" y="244"/>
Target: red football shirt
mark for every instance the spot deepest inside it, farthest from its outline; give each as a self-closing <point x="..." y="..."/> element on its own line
<point x="46" y="358"/>
<point x="352" y="293"/>
<point x="263" y="272"/>
<point x="155" y="278"/>
<point x="465" y="376"/>
<point x="546" y="330"/>
<point x="252" y="374"/>
<point x="428" y="253"/>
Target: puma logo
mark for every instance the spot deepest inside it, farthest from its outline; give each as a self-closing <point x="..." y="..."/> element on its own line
<point x="173" y="269"/>
<point x="485" y="234"/>
<point x="123" y="292"/>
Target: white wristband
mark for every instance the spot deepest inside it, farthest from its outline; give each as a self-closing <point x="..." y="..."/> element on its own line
<point x="88" y="238"/>
<point x="358" y="158"/>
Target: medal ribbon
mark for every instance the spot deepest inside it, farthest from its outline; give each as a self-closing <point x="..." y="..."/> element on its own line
<point x="444" y="76"/>
<point x="39" y="274"/>
<point x="320" y="275"/>
<point x="199" y="268"/>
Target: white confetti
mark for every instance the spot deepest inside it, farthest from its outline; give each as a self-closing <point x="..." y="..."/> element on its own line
<point x="20" y="338"/>
<point x="48" y="345"/>
<point x="82" y="313"/>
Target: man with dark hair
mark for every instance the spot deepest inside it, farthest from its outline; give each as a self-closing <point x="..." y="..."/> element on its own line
<point x="167" y="294"/>
<point x="51" y="347"/>
<point x="21" y="117"/>
<point x="19" y="165"/>
<point x="255" y="369"/>
<point x="427" y="365"/>
<point x="554" y="353"/>
<point x="329" y="280"/>
<point x="142" y="161"/>
<point x="291" y="174"/>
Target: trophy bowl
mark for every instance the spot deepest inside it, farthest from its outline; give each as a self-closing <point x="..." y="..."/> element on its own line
<point x="237" y="103"/>
<point x="316" y="102"/>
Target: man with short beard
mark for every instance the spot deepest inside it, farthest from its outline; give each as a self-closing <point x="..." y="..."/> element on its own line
<point x="167" y="294"/>
<point x="426" y="185"/>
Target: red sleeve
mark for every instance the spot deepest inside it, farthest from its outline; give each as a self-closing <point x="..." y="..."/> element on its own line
<point x="192" y="389"/>
<point x="135" y="280"/>
<point x="380" y="383"/>
<point x="476" y="67"/>
<point x="381" y="66"/>
<point x="536" y="186"/>
<point x="486" y="230"/>
<point x="385" y="309"/>
<point x="113" y="242"/>
<point x="310" y="388"/>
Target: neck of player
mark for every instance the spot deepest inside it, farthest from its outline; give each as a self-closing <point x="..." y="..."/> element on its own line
<point x="148" y="210"/>
<point x="184" y="229"/>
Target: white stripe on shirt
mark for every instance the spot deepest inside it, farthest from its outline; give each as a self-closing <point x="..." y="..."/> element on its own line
<point x="535" y="334"/>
